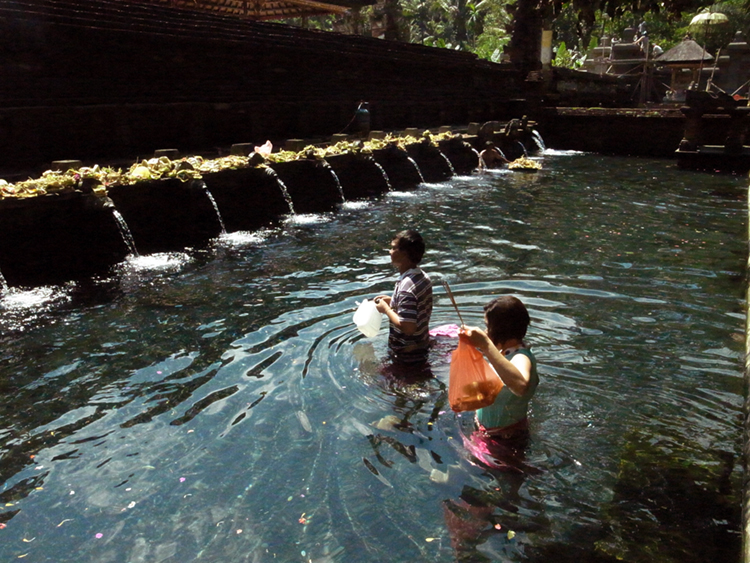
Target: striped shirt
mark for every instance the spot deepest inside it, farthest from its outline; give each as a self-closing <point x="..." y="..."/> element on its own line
<point x="412" y="302"/>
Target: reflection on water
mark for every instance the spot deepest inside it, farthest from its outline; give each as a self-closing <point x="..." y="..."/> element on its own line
<point x="166" y="261"/>
<point x="308" y="219"/>
<point x="220" y="405"/>
<point x="243" y="238"/>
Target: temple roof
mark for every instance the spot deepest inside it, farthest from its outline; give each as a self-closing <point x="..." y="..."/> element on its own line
<point x="685" y="53"/>
<point x="265" y="9"/>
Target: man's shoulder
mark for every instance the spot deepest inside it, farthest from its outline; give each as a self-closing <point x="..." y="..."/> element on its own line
<point x="417" y="276"/>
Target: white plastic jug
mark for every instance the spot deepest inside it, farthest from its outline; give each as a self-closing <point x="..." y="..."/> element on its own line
<point x="367" y="318"/>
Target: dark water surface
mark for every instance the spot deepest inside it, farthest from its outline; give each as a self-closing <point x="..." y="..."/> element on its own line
<point x="219" y="405"/>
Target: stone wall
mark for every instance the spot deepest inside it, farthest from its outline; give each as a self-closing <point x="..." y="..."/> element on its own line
<point x="58" y="237"/>
<point x="93" y="80"/>
<point x="624" y="131"/>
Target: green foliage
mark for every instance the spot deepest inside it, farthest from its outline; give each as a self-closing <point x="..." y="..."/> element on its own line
<point x="470" y="25"/>
<point x="419" y="14"/>
<point x="354" y="22"/>
<point x="389" y="18"/>
<point x="665" y="28"/>
<point x="568" y="59"/>
<point x="455" y="24"/>
<point x="570" y="30"/>
<point x="716" y="37"/>
<point x="491" y="42"/>
<point x="481" y="26"/>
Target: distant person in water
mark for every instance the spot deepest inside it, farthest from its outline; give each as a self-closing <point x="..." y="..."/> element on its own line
<point x="491" y="156"/>
<point x="502" y="427"/>
<point x="409" y="308"/>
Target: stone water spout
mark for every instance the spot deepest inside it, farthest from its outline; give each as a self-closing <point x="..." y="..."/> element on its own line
<point x="249" y="198"/>
<point x="3" y="284"/>
<point x="218" y="213"/>
<point x="463" y="157"/>
<point x="283" y="188"/>
<point x="359" y="175"/>
<point x="310" y="184"/>
<point x="336" y="181"/>
<point x="416" y="167"/>
<point x="402" y="172"/>
<point x="122" y="225"/>
<point x="167" y="215"/>
<point x="433" y="164"/>
<point x="523" y="147"/>
<point x="127" y="236"/>
<point x="50" y="240"/>
<point x="83" y="233"/>
<point x="385" y="176"/>
<point x="538" y="140"/>
<point x="448" y="162"/>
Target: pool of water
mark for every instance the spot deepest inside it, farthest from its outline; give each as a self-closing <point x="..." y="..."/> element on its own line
<point x="219" y="405"/>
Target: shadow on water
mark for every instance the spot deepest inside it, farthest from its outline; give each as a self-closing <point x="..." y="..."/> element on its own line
<point x="218" y="404"/>
<point x="661" y="503"/>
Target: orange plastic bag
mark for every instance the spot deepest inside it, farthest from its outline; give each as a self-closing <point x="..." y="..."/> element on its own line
<point x="473" y="383"/>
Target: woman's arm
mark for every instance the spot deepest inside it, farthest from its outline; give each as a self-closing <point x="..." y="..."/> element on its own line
<point x="515" y="373"/>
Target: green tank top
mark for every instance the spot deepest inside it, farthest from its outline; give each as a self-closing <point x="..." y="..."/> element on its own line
<point x="509" y="408"/>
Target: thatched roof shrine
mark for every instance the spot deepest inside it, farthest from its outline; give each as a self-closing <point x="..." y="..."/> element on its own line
<point x="686" y="60"/>
<point x="265" y="9"/>
<point x="686" y="53"/>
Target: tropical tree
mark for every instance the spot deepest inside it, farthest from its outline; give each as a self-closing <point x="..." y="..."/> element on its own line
<point x="529" y="17"/>
<point x="455" y="24"/>
<point x="715" y="36"/>
<point x="389" y="15"/>
<point x="354" y="22"/>
<point x="490" y="44"/>
<point x="466" y="18"/>
<point x="664" y="28"/>
<point x="419" y="15"/>
<point x="493" y="28"/>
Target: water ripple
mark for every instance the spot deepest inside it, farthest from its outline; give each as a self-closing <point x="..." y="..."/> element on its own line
<point x="219" y="404"/>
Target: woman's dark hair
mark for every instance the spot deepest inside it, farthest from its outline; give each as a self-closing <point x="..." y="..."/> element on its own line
<point x="412" y="244"/>
<point x="507" y="318"/>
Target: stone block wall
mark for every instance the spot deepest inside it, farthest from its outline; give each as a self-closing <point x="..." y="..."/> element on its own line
<point x="94" y="80"/>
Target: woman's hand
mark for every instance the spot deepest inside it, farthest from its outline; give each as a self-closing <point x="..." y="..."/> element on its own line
<point x="515" y="373"/>
<point x="476" y="337"/>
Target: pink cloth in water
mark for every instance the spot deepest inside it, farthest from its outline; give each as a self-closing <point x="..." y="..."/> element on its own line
<point x="498" y="451"/>
<point x="450" y="331"/>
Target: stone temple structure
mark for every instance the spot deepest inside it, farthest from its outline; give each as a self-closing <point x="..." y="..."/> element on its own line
<point x="686" y="66"/>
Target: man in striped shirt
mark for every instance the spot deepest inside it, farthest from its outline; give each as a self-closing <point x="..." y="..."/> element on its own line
<point x="410" y="307"/>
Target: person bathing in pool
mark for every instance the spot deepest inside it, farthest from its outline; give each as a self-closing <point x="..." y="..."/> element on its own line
<point x="501" y="429"/>
<point x="409" y="308"/>
<point x="502" y="344"/>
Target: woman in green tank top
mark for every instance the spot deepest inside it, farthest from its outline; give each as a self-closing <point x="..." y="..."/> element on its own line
<point x="502" y="344"/>
<point x="501" y="434"/>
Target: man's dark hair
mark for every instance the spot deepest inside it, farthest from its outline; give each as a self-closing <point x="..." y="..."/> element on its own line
<point x="507" y="318"/>
<point x="411" y="242"/>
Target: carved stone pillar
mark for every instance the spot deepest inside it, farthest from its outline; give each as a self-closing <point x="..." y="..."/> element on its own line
<point x="692" y="133"/>
<point x="737" y="129"/>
